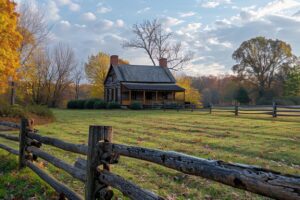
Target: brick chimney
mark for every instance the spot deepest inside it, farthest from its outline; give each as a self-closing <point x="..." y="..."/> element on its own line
<point x="114" y="59"/>
<point x="163" y="62"/>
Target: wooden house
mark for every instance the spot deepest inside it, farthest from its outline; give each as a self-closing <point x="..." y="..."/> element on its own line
<point x="149" y="85"/>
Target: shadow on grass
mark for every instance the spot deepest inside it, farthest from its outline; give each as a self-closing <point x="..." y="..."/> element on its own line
<point x="22" y="184"/>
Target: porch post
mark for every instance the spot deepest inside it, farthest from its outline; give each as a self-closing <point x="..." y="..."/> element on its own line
<point x="129" y="96"/>
<point x="156" y="96"/>
<point x="184" y="96"/>
<point x="144" y="97"/>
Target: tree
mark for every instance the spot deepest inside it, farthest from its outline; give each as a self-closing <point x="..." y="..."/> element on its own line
<point x="242" y="96"/>
<point x="260" y="60"/>
<point x="63" y="64"/>
<point x="33" y="28"/>
<point x="150" y="37"/>
<point x="78" y="76"/>
<point x="10" y="41"/>
<point x="292" y="82"/>
<point x="96" y="69"/>
<point x="191" y="94"/>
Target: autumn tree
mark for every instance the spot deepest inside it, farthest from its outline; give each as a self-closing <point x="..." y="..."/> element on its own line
<point x="292" y="82"/>
<point x="10" y="41"/>
<point x="191" y="94"/>
<point x="259" y="60"/>
<point x="96" y="69"/>
<point x="34" y="30"/>
<point x="157" y="43"/>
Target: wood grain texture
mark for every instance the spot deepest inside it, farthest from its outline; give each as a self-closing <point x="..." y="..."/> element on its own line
<point x="57" y="186"/>
<point x="10" y="150"/>
<point x="9" y="137"/>
<point x="73" y="171"/>
<point x="251" y="178"/>
<point x="10" y="124"/>
<point x="75" y="148"/>
<point x="126" y="187"/>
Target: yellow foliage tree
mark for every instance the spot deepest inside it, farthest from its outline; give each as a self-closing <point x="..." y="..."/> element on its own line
<point x="10" y="40"/>
<point x="191" y="94"/>
<point x="96" y="69"/>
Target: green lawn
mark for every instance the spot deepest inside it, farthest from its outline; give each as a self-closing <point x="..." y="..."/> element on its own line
<point x="256" y="140"/>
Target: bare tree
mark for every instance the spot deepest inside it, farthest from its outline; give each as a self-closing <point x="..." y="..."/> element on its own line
<point x="157" y="43"/>
<point x="63" y="64"/>
<point x="78" y="76"/>
<point x="34" y="29"/>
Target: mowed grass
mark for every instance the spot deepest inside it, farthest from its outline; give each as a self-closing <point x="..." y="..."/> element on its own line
<point x="249" y="139"/>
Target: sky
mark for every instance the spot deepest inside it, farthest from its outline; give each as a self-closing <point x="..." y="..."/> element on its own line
<point x="211" y="29"/>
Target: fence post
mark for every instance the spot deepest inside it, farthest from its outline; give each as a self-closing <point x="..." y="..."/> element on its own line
<point x="96" y="134"/>
<point x="274" y="109"/>
<point x="26" y="125"/>
<point x="236" y="108"/>
<point x="210" y="108"/>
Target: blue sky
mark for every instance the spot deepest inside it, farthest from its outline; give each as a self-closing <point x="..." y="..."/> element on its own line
<point x="212" y="29"/>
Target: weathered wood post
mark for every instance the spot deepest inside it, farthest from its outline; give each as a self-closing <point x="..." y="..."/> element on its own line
<point x="274" y="109"/>
<point x="210" y="108"/>
<point x="12" y="93"/>
<point x="236" y="108"/>
<point x="96" y="134"/>
<point x="26" y="125"/>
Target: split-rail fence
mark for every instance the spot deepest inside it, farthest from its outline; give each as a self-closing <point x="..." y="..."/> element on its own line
<point x="101" y="152"/>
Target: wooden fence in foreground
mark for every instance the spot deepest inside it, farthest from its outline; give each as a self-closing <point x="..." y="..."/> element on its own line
<point x="101" y="152"/>
<point x="273" y="110"/>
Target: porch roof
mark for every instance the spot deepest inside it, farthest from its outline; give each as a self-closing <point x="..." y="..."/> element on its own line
<point x="153" y="87"/>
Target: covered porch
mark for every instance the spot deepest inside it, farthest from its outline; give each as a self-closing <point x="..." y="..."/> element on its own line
<point x="151" y="94"/>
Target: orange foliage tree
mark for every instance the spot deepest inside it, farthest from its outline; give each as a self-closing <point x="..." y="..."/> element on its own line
<point x="10" y="40"/>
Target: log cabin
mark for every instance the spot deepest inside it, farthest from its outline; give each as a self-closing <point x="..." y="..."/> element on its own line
<point x="147" y="84"/>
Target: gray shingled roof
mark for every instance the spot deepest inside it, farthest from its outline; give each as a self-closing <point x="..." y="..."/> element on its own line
<point x="154" y="86"/>
<point x="144" y="73"/>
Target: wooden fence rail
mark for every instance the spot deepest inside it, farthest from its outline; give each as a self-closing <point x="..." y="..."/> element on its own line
<point x="273" y="110"/>
<point x="101" y="151"/>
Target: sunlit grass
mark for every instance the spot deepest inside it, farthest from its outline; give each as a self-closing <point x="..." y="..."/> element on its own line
<point x="256" y="140"/>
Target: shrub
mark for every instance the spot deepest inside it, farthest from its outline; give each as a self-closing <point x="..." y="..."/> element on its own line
<point x="40" y="110"/>
<point x="89" y="104"/>
<point x="136" y="106"/>
<point x="76" y="104"/>
<point x="72" y="104"/>
<point x="80" y="104"/>
<point x="170" y="106"/>
<point x="100" y="104"/>
<point x="113" y="105"/>
<point x="12" y="111"/>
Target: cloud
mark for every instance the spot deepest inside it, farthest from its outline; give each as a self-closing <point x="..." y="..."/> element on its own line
<point x="64" y="24"/>
<point x="187" y="14"/>
<point x="214" y="3"/>
<point x="89" y="16"/>
<point x="143" y="10"/>
<point x="101" y="8"/>
<point x="171" y="21"/>
<point x="72" y="6"/>
<point x="119" y="23"/>
<point x="52" y="13"/>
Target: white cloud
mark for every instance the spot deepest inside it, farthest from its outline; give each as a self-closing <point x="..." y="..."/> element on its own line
<point x="101" y="8"/>
<point x="65" y="24"/>
<point x="89" y="16"/>
<point x="143" y="10"/>
<point x="187" y="14"/>
<point x="171" y="21"/>
<point x="119" y="23"/>
<point x="74" y="7"/>
<point x="214" y="3"/>
<point x="52" y="11"/>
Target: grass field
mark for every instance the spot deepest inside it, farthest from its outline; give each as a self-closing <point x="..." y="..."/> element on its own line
<point x="256" y="140"/>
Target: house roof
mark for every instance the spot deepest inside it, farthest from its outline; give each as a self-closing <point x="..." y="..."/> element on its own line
<point x="143" y="74"/>
<point x="154" y="86"/>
